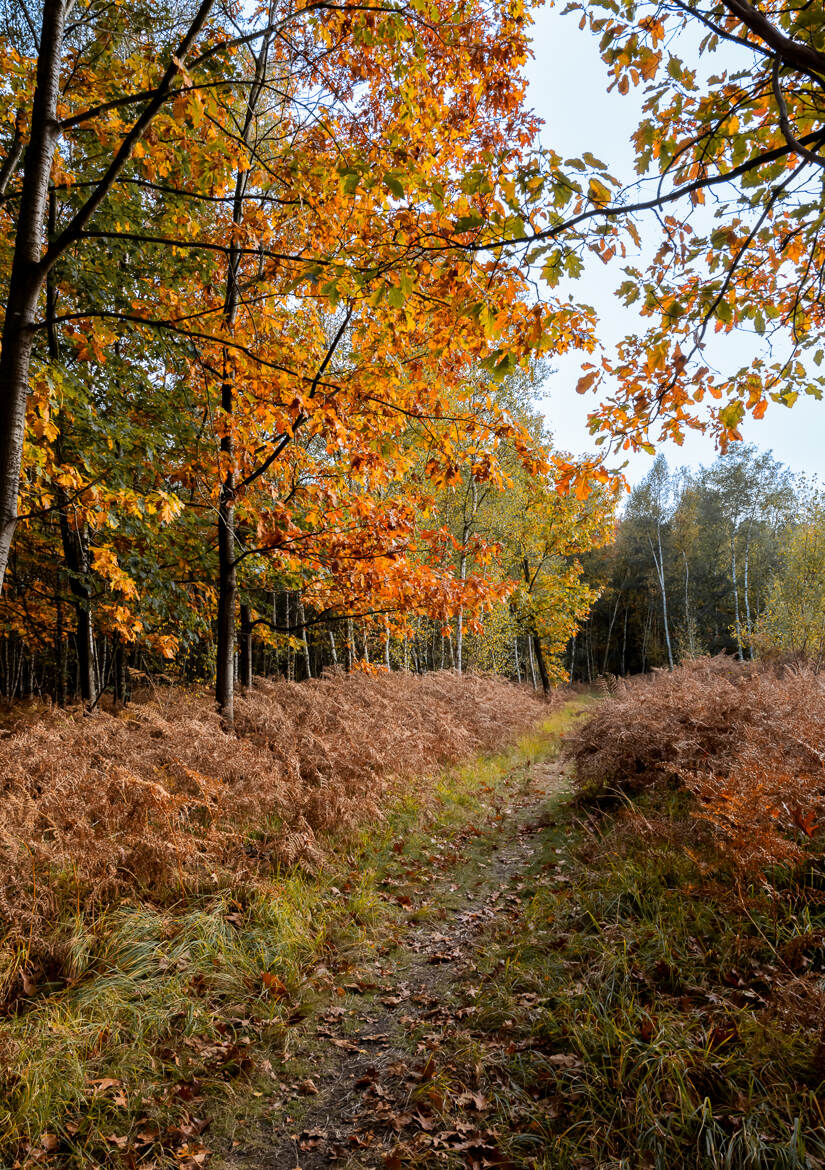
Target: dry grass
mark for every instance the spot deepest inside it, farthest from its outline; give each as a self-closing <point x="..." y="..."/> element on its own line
<point x="748" y="742"/>
<point x="159" y="802"/>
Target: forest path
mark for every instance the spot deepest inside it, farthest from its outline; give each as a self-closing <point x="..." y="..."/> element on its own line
<point x="394" y="1072"/>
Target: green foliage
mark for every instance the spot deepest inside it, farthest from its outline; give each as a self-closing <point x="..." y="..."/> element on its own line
<point x="793" y="621"/>
<point x="707" y="543"/>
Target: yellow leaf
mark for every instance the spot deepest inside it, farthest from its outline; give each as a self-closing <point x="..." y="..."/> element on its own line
<point x="599" y="194"/>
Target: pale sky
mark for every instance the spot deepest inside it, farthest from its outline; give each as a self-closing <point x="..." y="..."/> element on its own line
<point x="567" y="88"/>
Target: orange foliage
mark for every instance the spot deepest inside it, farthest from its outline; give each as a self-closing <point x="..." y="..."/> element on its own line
<point x="160" y="801"/>
<point x="747" y="741"/>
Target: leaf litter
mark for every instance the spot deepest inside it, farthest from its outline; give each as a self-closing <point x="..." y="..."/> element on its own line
<point x="389" y="1092"/>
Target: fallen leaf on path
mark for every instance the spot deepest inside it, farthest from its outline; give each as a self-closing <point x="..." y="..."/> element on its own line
<point x="474" y="1101"/>
<point x="274" y="985"/>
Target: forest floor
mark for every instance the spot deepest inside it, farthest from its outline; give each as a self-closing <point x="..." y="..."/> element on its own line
<point x="501" y="971"/>
<point x="410" y="1061"/>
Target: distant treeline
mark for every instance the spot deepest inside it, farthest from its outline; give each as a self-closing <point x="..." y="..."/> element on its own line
<point x="728" y="558"/>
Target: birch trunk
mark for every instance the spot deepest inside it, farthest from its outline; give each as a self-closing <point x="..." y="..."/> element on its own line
<point x="27" y="274"/>
<point x="737" y="617"/>
<point x="660" y="573"/>
<point x="302" y="619"/>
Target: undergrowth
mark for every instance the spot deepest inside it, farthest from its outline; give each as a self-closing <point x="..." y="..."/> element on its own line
<point x="167" y="1001"/>
<point x="747" y="740"/>
<point x="645" y="1011"/>
<point x="160" y="805"/>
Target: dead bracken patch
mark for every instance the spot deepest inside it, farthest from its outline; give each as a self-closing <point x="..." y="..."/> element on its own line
<point x="159" y="801"/>
<point x="747" y="741"/>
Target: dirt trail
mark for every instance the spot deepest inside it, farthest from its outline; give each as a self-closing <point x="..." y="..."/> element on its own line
<point x="377" y="1090"/>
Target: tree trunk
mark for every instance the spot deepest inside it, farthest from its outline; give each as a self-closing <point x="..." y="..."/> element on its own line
<point x="302" y="620"/>
<point x="27" y="275"/>
<point x="120" y="673"/>
<point x="59" y="646"/>
<point x="748" y="625"/>
<point x="227" y="573"/>
<point x="610" y="632"/>
<point x="102" y="664"/>
<point x="245" y="648"/>
<point x="646" y="632"/>
<point x="333" y="648"/>
<point x="76" y="552"/>
<point x="689" y="626"/>
<point x="737" y="618"/>
<point x="227" y="589"/>
<point x="532" y="661"/>
<point x="660" y="573"/>
<point x="349" y="656"/>
<point x="545" y="678"/>
<point x="536" y="640"/>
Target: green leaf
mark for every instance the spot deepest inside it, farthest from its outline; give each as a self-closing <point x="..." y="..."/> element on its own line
<point x="553" y="268"/>
<point x="507" y="364"/>
<point x="330" y="291"/>
<point x="732" y="414"/>
<point x="466" y="223"/>
<point x="394" y="186"/>
<point x="474" y="181"/>
<point x="514" y="225"/>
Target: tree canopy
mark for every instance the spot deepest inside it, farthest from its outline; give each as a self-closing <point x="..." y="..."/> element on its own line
<point x="271" y="319"/>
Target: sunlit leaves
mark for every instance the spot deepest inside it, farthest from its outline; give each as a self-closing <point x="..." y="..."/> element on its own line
<point x="744" y="260"/>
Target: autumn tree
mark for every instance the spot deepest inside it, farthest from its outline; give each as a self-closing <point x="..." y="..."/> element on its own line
<point x="740" y="119"/>
<point x="743" y="121"/>
<point x="793" y="619"/>
<point x="218" y="259"/>
<point x="531" y="533"/>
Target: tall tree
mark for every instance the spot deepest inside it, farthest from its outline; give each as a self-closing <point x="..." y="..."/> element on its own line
<point x="30" y="264"/>
<point x="651" y="505"/>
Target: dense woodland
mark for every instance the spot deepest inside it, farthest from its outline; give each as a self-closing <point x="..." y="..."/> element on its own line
<point x="291" y="872"/>
<point x="264" y="433"/>
<point x="724" y="559"/>
<point x="79" y="629"/>
<point x="280" y="283"/>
